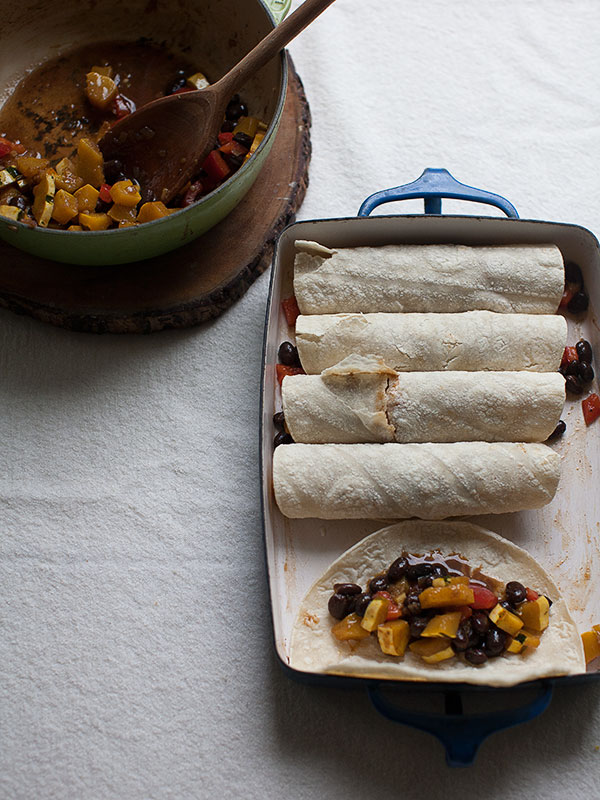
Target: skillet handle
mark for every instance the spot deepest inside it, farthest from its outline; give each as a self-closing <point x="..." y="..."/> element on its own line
<point x="461" y="735"/>
<point x="278" y="8"/>
<point x="432" y="185"/>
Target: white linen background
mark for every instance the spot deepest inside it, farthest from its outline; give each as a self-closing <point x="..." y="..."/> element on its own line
<point x="136" y="657"/>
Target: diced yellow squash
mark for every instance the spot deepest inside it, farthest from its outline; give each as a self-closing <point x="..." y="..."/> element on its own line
<point x="93" y="221"/>
<point x="107" y="70"/>
<point x="393" y="636"/>
<point x="154" y="210"/>
<point x="43" y="199"/>
<point x="126" y="223"/>
<point x="375" y="613"/>
<point x="11" y="212"/>
<point x="535" y="613"/>
<point x="74" y="228"/>
<point x="100" y="89"/>
<point x="87" y="197"/>
<point x="450" y="580"/>
<point x="197" y="81"/>
<point x="247" y="125"/>
<point x="522" y="640"/>
<point x="122" y="213"/>
<point x="125" y="193"/>
<point x="67" y="177"/>
<point x="31" y="167"/>
<point x="65" y="207"/>
<point x="349" y="628"/>
<point x="505" y="619"/>
<point x="9" y="175"/>
<point x="596" y="628"/>
<point x="90" y="164"/>
<point x="591" y="644"/>
<point x="255" y="142"/>
<point x="427" y="647"/>
<point x="441" y="655"/>
<point x="456" y="594"/>
<point x="443" y="625"/>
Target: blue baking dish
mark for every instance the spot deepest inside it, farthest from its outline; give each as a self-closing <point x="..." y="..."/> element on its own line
<point x="298" y="551"/>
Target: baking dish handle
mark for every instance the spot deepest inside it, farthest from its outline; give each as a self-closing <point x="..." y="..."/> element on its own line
<point x="460" y="734"/>
<point x="431" y="186"/>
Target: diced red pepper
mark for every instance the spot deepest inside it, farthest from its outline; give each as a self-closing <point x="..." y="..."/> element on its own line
<point x="532" y="595"/>
<point x="289" y="306"/>
<point x="283" y="370"/>
<point x="233" y="149"/>
<point x="569" y="291"/>
<point x="215" y="166"/>
<point x="104" y="193"/>
<point x="465" y="612"/>
<point x="394" y="611"/>
<point x="224" y="137"/>
<point x="6" y="147"/>
<point x="482" y="597"/>
<point x="591" y="408"/>
<point x="569" y="355"/>
<point x="193" y="193"/>
<point x="122" y="106"/>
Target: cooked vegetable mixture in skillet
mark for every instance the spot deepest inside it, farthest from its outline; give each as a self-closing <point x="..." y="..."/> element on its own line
<point x="80" y="191"/>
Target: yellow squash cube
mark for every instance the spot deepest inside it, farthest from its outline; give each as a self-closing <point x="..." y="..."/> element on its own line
<point x="67" y="177"/>
<point x="349" y="628"/>
<point x="100" y="89"/>
<point x="87" y="197"/>
<point x="591" y="645"/>
<point x="432" y="650"/>
<point x="11" y="212"/>
<point x="443" y="625"/>
<point x="505" y="620"/>
<point x="450" y="580"/>
<point x="197" y="81"/>
<point x="375" y="613"/>
<point x="453" y="595"/>
<point x="90" y="164"/>
<point x="393" y="636"/>
<point x="65" y="207"/>
<point x="30" y="167"/>
<point x="154" y="210"/>
<point x="125" y="193"/>
<point x="535" y="613"/>
<point x="93" y="221"/>
<point x="122" y="213"/>
<point x="522" y="640"/>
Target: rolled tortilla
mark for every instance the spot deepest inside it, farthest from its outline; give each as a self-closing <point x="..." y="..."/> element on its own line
<point x="470" y="341"/>
<point x="313" y="648"/>
<point x="522" y="279"/>
<point x="398" y="481"/>
<point x="347" y="407"/>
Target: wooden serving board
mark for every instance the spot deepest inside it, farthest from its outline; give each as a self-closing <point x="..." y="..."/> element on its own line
<point x="189" y="285"/>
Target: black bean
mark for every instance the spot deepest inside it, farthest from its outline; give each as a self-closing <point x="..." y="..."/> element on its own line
<point x="418" y="625"/>
<point x="439" y="570"/>
<point x="476" y="655"/>
<point x="586" y="373"/>
<point x="573" y="273"/>
<point x="584" y="350"/>
<point x="278" y="418"/>
<point x="515" y="592"/>
<point x="571" y="368"/>
<point x="113" y="170"/>
<point x="412" y="605"/>
<point x="361" y="601"/>
<point x="397" y="569"/>
<point x="573" y="384"/>
<point x="378" y="584"/>
<point x="480" y="622"/>
<point x="236" y="109"/>
<point x="347" y="588"/>
<point x="495" y="642"/>
<point x="463" y="637"/>
<point x="508" y="606"/>
<point x="558" y="431"/>
<point x="234" y="161"/>
<point x="282" y="438"/>
<point x="178" y="82"/>
<point x="416" y="571"/>
<point x="288" y="354"/>
<point x="339" y="605"/>
<point x="243" y="139"/>
<point x="228" y="126"/>
<point x="578" y="303"/>
<point x="548" y="599"/>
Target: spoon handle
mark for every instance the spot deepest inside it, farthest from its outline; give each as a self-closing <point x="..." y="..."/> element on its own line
<point x="270" y="45"/>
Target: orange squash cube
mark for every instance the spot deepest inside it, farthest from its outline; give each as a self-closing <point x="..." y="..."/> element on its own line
<point x="65" y="207"/>
<point x="393" y="636"/>
<point x="67" y="177"/>
<point x="456" y="594"/>
<point x="443" y="625"/>
<point x="591" y="645"/>
<point x="90" y="164"/>
<point x="349" y="628"/>
<point x="122" y="213"/>
<point x="87" y="197"/>
<point x="100" y="89"/>
<point x="93" y="221"/>
<point x="30" y="167"/>
<point x="125" y="193"/>
<point x="151" y="211"/>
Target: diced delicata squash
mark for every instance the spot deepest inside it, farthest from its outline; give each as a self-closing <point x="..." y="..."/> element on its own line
<point x="450" y="580"/>
<point x="43" y="199"/>
<point x="349" y="628"/>
<point x="375" y="613"/>
<point x="31" y="167"/>
<point x="122" y="213"/>
<point x="66" y="176"/>
<point x="197" y="81"/>
<point x="393" y="636"/>
<point x="445" y="625"/>
<point x="11" y="212"/>
<point x="154" y="210"/>
<point x="90" y="164"/>
<point x="125" y="193"/>
<point x="93" y="221"/>
<point x="535" y="614"/>
<point x="506" y="620"/>
<point x="454" y="595"/>
<point x="65" y="207"/>
<point x="9" y="175"/>
<point x="522" y="640"/>
<point x="100" y="89"/>
<point x="87" y="197"/>
<point x="432" y="650"/>
<point x="591" y="644"/>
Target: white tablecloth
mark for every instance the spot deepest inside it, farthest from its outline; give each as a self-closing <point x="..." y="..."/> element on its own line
<point x="136" y="658"/>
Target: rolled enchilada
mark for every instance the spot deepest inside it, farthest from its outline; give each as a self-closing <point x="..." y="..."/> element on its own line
<point x="399" y="481"/>
<point x="428" y="278"/>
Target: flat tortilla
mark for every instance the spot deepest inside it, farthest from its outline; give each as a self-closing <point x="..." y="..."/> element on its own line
<point x="470" y="341"/>
<point x="342" y="406"/>
<point x="522" y="279"/>
<point x="399" y="481"/>
<point x="314" y="649"/>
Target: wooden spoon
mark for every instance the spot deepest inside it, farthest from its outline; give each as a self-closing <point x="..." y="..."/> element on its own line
<point x="163" y="143"/>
